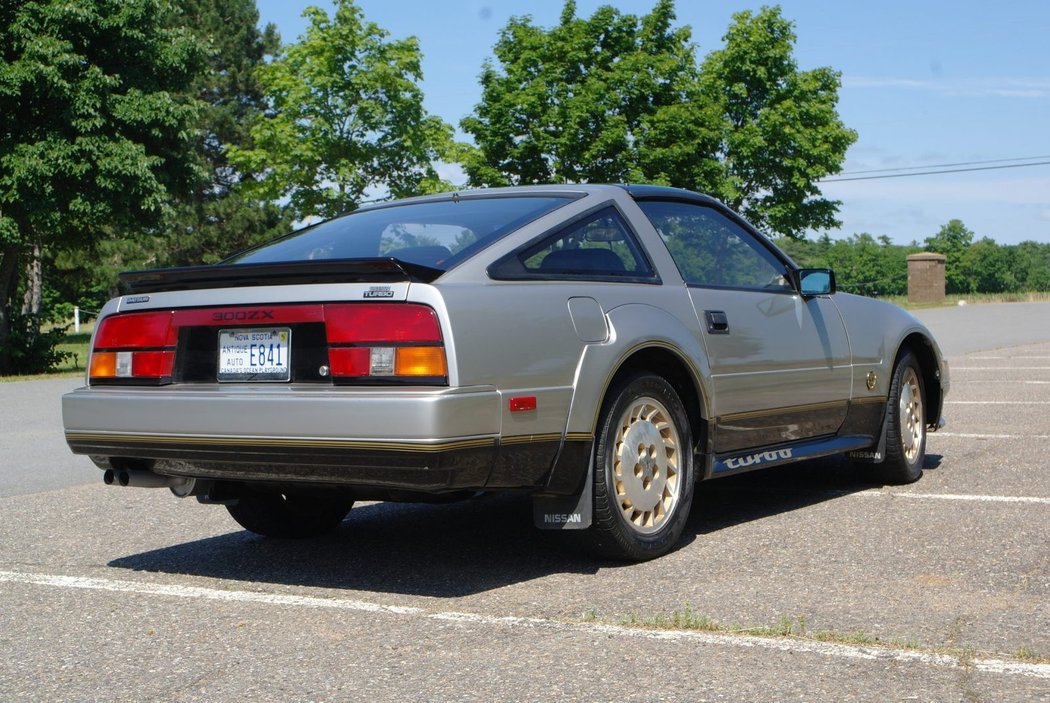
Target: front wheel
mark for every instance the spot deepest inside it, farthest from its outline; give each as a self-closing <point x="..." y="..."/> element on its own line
<point x="906" y="431"/>
<point x="643" y="471"/>
<point x="288" y="515"/>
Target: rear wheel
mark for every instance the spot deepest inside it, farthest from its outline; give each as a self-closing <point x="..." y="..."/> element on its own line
<point x="643" y="471"/>
<point x="289" y="515"/>
<point x="906" y="436"/>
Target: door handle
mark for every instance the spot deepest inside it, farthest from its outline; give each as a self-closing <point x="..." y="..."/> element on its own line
<point x="717" y="322"/>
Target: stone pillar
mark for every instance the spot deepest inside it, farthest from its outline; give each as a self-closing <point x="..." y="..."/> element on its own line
<point x="926" y="278"/>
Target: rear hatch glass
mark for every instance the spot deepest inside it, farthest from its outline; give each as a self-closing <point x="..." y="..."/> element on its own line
<point x="434" y="233"/>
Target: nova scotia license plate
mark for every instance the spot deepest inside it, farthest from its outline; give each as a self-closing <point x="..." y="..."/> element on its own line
<point x="262" y="354"/>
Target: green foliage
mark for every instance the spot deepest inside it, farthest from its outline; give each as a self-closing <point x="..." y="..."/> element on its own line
<point x="779" y="131"/>
<point x="217" y="220"/>
<point x="29" y="349"/>
<point x="94" y="132"/>
<point x="875" y="266"/>
<point x="97" y="131"/>
<point x="863" y="264"/>
<point x="345" y="119"/>
<point x="605" y="99"/>
<point x="621" y="98"/>
<point x="952" y="240"/>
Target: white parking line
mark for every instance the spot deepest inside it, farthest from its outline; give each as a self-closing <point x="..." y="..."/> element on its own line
<point x="1029" y="357"/>
<point x="1000" y="368"/>
<point x="952" y="496"/>
<point x="783" y="644"/>
<point x="978" y="435"/>
<point x="997" y="402"/>
<point x="1005" y="380"/>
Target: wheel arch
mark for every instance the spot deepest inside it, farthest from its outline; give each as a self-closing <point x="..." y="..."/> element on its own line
<point x="930" y="366"/>
<point x="668" y="363"/>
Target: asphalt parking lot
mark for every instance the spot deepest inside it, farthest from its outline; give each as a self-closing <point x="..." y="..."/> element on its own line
<point x="801" y="584"/>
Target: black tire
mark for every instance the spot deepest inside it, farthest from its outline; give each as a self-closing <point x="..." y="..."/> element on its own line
<point x="906" y="429"/>
<point x="643" y="471"/>
<point x="289" y="516"/>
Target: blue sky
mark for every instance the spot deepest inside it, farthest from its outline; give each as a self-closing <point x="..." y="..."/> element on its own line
<point x="925" y="82"/>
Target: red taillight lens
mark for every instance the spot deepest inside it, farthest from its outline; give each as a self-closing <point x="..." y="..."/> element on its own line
<point x="389" y="323"/>
<point x="136" y="331"/>
<point x="134" y="346"/>
<point x="384" y="341"/>
<point x="349" y="361"/>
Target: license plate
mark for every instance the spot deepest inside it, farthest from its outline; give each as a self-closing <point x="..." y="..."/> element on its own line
<point x="262" y="354"/>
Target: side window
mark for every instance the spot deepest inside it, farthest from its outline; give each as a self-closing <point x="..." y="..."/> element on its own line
<point x="712" y="250"/>
<point x="598" y="246"/>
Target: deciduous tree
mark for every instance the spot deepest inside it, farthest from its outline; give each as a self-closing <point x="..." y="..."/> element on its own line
<point x="345" y="119"/>
<point x="779" y="129"/>
<point x="952" y="240"/>
<point x="617" y="97"/>
<point x="95" y="131"/>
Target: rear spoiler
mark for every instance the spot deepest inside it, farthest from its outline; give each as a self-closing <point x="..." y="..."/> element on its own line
<point x="379" y="270"/>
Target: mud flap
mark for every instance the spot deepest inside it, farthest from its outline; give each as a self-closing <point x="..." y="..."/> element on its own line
<point x="573" y="512"/>
<point x="878" y="454"/>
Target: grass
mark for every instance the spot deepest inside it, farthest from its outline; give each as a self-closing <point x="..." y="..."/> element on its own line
<point x="973" y="299"/>
<point x="797" y="627"/>
<point x="76" y="344"/>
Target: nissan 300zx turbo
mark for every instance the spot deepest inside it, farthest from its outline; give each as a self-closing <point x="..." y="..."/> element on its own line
<point x="603" y="348"/>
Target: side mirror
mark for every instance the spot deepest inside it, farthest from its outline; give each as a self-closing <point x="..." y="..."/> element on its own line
<point x="816" y="282"/>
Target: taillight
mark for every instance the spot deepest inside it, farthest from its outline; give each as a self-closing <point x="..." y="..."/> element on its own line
<point x="385" y="341"/>
<point x="134" y="346"/>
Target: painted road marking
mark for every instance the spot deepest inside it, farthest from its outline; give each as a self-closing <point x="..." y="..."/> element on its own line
<point x="976" y="435"/>
<point x="783" y="644"/>
<point x="1005" y="380"/>
<point x="997" y="402"/>
<point x="1001" y="368"/>
<point x="1027" y="357"/>
<point x="954" y="496"/>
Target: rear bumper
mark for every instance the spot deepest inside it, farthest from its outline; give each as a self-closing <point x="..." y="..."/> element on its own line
<point x="421" y="439"/>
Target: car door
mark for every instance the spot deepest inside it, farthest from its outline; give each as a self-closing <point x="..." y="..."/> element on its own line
<point x="780" y="362"/>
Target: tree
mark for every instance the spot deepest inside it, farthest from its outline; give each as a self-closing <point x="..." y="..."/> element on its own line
<point x="620" y="98"/>
<point x="345" y="119"/>
<point x="612" y="98"/>
<point x="218" y="219"/>
<point x="952" y="240"/>
<point x="985" y="267"/>
<point x="95" y="132"/>
<point x="212" y="219"/>
<point x="779" y="131"/>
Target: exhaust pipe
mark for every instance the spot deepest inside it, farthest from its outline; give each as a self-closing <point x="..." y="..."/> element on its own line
<point x="141" y="478"/>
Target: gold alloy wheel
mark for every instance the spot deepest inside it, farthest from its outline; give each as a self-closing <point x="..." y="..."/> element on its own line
<point x="912" y="422"/>
<point x="645" y="471"/>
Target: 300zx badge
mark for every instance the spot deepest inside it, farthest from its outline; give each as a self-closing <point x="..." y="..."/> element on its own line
<point x="239" y="315"/>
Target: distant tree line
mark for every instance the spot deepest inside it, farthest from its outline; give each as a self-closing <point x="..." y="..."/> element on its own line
<point x="875" y="266"/>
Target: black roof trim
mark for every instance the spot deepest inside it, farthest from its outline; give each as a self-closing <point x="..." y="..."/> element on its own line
<point x="379" y="270"/>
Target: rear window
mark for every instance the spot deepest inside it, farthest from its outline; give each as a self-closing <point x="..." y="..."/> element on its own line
<point x="438" y="234"/>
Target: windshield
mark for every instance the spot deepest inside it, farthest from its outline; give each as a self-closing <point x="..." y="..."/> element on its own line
<point x="438" y="234"/>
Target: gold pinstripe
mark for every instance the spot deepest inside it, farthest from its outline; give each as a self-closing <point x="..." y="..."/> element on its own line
<point x="786" y="409"/>
<point x="482" y="442"/>
<point x="529" y="438"/>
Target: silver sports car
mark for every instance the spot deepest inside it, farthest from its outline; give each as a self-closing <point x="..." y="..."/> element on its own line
<point x="602" y="347"/>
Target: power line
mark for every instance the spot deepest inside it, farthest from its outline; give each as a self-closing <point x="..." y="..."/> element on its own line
<point x="931" y="173"/>
<point x="958" y="163"/>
